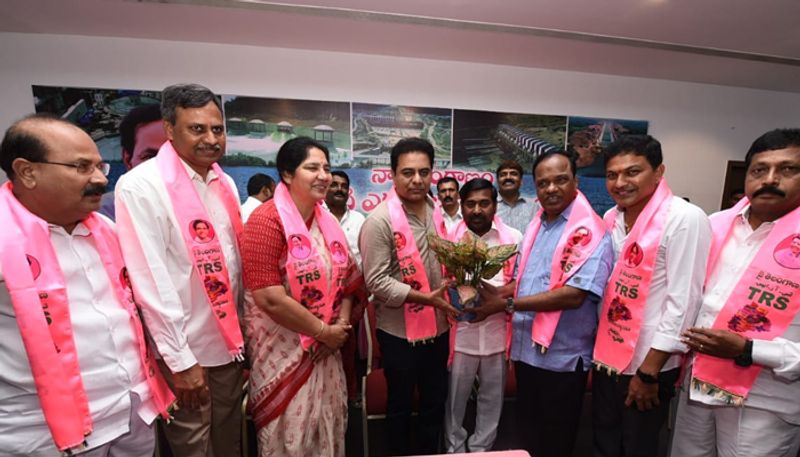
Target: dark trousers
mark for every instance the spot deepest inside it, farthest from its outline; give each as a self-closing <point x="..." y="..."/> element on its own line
<point x="549" y="408"/>
<point x="621" y="431"/>
<point x="424" y="367"/>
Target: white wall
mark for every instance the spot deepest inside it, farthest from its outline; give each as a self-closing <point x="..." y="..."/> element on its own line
<point x="700" y="126"/>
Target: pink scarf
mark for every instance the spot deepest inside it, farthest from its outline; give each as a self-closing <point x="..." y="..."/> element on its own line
<point x="508" y="276"/>
<point x="420" y="319"/>
<point x="762" y="305"/>
<point x="207" y="253"/>
<point x="583" y="233"/>
<point x="629" y="284"/>
<point x="305" y="268"/>
<point x="39" y="297"/>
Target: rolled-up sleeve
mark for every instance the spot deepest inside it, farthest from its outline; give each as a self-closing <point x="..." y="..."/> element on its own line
<point x="686" y="254"/>
<point x="140" y="224"/>
<point x="376" y="243"/>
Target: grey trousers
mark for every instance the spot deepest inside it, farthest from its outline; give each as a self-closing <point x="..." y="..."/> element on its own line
<point x="214" y="430"/>
<point x="491" y="373"/>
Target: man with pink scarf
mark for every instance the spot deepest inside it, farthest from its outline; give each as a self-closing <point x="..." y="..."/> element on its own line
<point x="75" y="373"/>
<point x="661" y="245"/>
<point x="741" y="395"/>
<point x="179" y="222"/>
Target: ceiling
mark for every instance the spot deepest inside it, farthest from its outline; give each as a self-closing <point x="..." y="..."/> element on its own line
<point x="728" y="42"/>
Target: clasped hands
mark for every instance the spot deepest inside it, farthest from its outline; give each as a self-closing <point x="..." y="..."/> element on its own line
<point x="331" y="339"/>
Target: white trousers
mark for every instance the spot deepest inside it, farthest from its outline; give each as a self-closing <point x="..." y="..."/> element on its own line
<point x="140" y="441"/>
<point x="726" y="431"/>
<point x="491" y="373"/>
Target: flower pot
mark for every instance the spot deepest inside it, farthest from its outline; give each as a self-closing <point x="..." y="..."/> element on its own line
<point x="455" y="300"/>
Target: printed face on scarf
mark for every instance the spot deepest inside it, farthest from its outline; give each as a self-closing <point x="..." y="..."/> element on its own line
<point x="412" y="179"/>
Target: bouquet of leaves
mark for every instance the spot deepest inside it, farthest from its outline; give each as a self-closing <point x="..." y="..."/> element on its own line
<point x="469" y="261"/>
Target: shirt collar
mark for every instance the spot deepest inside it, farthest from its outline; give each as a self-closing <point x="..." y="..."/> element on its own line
<point x="195" y="176"/>
<point x="520" y="200"/>
<point x="563" y="216"/>
<point x="743" y="216"/>
<point x="80" y="230"/>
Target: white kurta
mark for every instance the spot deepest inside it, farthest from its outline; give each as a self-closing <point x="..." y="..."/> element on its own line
<point x="107" y="351"/>
<point x="165" y="281"/>
<point x="677" y="283"/>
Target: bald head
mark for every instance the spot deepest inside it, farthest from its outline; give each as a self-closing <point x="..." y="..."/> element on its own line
<point x="28" y="138"/>
<point x="55" y="168"/>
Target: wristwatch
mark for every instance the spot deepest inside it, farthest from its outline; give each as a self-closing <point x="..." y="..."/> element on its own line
<point x="646" y="378"/>
<point x="745" y="359"/>
<point x="509" y="305"/>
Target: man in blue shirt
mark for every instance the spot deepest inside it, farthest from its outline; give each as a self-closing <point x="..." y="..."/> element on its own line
<point x="551" y="382"/>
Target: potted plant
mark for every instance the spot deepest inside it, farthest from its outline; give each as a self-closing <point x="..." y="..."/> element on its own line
<point x="468" y="262"/>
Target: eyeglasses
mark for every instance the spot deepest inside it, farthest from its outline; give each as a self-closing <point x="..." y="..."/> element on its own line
<point x="83" y="168"/>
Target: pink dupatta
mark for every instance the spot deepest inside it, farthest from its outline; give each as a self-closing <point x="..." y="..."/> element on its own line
<point x="629" y="284"/>
<point x="207" y="253"/>
<point x="761" y="306"/>
<point x="420" y="320"/>
<point x="38" y="294"/>
<point x="583" y="233"/>
<point x="304" y="266"/>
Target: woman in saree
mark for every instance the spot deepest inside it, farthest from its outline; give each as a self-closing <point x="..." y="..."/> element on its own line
<point x="298" y="314"/>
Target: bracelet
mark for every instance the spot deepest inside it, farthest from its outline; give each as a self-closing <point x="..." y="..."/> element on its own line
<point x="321" y="329"/>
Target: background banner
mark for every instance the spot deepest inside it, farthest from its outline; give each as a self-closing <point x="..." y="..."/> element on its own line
<point x="468" y="143"/>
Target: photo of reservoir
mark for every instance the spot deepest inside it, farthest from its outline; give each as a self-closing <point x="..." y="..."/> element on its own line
<point x="484" y="139"/>
<point x="376" y="128"/>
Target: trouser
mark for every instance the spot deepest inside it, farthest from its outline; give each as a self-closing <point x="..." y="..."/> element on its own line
<point x="549" y="408"/>
<point x="139" y="441"/>
<point x="406" y="367"/>
<point x="348" y="351"/>
<point x="624" y="431"/>
<point x="726" y="431"/>
<point x="215" y="429"/>
<point x="490" y="370"/>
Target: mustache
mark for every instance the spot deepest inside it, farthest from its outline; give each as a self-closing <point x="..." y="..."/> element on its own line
<point x="94" y="190"/>
<point x="769" y="190"/>
<point x="447" y="199"/>
<point x="509" y="181"/>
<point x="340" y="194"/>
<point x="210" y="147"/>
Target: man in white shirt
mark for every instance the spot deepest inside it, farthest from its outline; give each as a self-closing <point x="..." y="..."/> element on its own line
<point x="260" y="188"/>
<point x="479" y="349"/>
<point x="630" y="406"/>
<point x="447" y="192"/>
<point x="57" y="175"/>
<point x="766" y="421"/>
<point x="350" y="221"/>
<point x="196" y="356"/>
